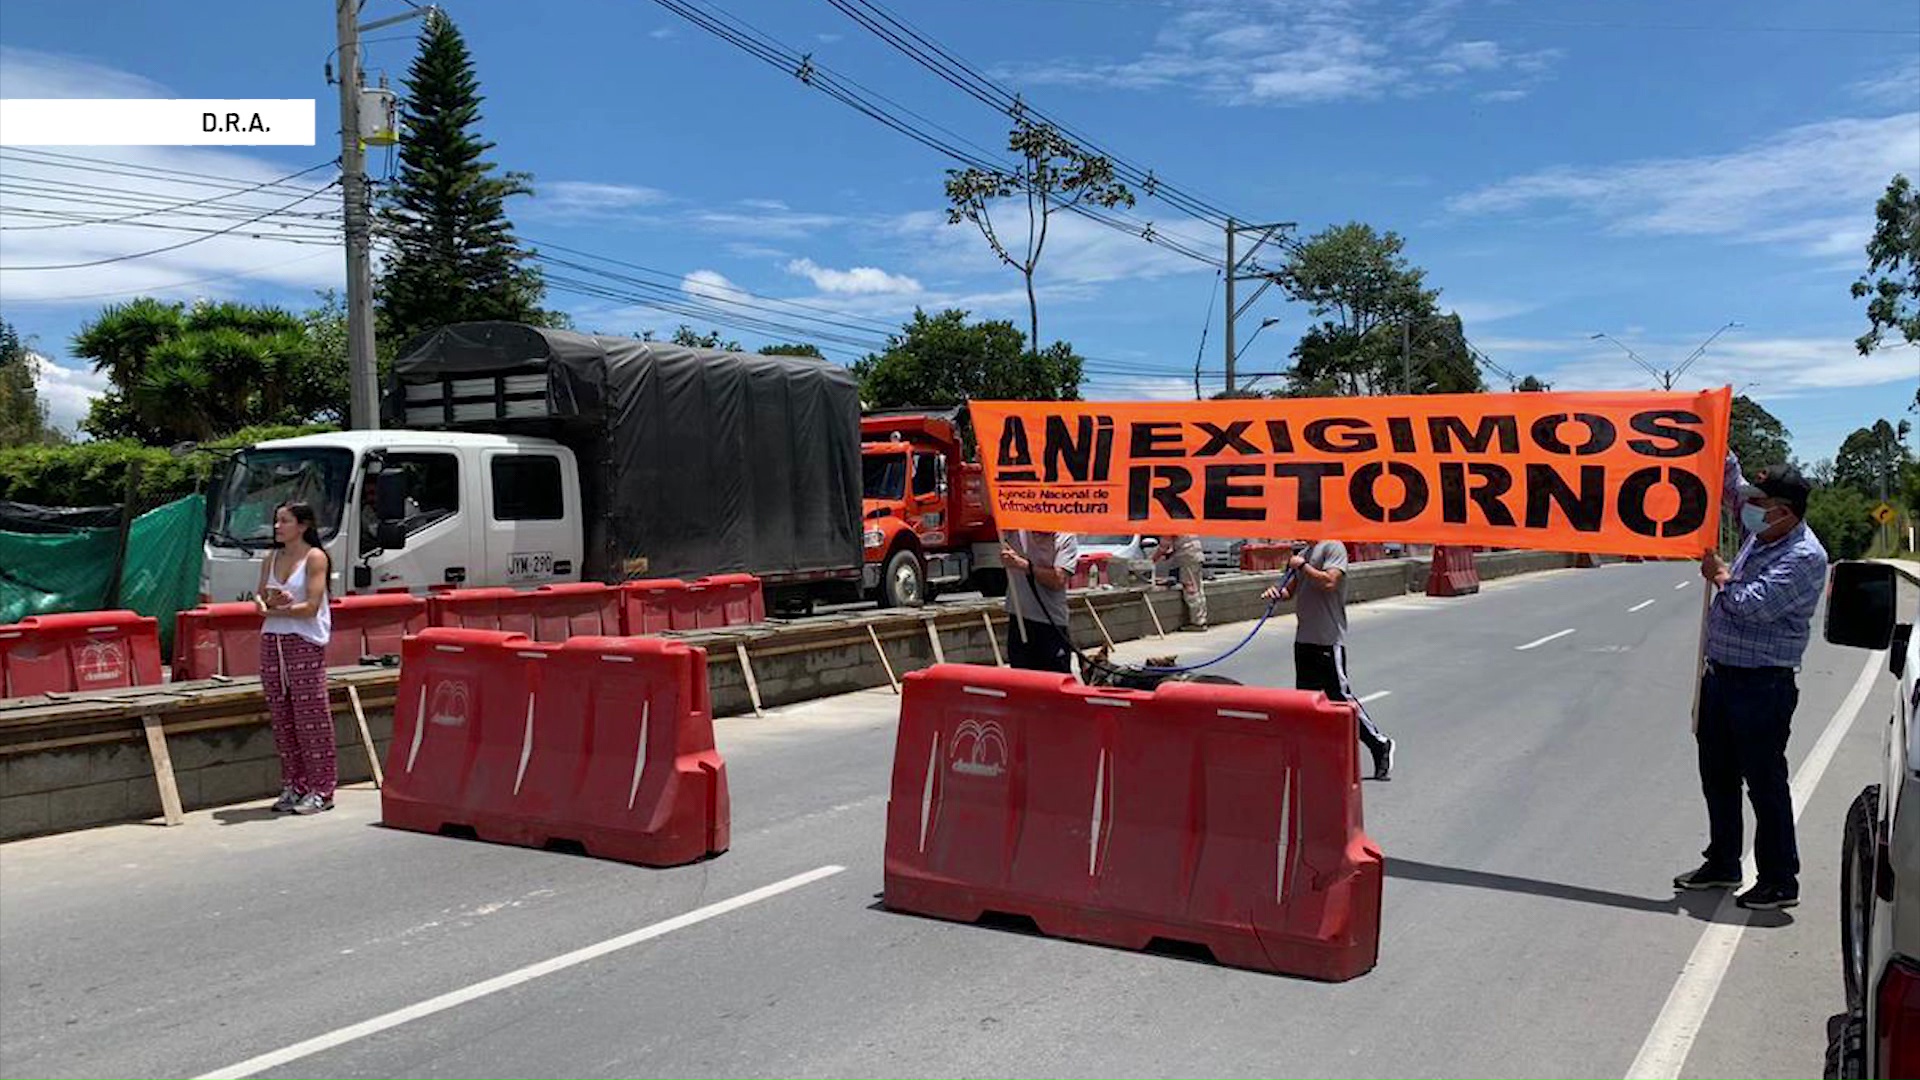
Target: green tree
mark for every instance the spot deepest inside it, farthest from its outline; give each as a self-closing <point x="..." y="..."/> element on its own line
<point x="685" y="337"/>
<point x="792" y="349"/>
<point x="454" y="256"/>
<point x="1757" y="437"/>
<point x="1532" y="385"/>
<point x="191" y="374"/>
<point x="1055" y="174"/>
<point x="1838" y="516"/>
<point x="1871" y="459"/>
<point x="1380" y="327"/>
<point x="945" y="360"/>
<point x="1891" y="285"/>
<point x="23" y="416"/>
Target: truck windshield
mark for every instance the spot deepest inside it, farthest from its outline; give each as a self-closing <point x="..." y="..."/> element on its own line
<point x="886" y="476"/>
<point x="260" y="480"/>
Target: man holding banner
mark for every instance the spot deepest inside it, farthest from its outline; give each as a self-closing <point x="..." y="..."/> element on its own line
<point x="1039" y="567"/>
<point x="1757" y="631"/>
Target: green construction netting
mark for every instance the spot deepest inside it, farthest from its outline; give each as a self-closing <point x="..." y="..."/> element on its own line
<point x="44" y="573"/>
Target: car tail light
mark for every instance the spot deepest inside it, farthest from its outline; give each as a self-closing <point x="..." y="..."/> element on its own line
<point x="1899" y="1020"/>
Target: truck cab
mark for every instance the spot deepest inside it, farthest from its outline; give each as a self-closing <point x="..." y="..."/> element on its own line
<point x="927" y="525"/>
<point x="403" y="511"/>
<point x="1879" y="1033"/>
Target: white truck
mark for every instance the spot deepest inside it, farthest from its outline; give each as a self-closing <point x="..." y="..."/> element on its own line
<point x="524" y="456"/>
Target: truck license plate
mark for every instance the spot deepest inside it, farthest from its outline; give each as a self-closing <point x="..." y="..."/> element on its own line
<point x="529" y="565"/>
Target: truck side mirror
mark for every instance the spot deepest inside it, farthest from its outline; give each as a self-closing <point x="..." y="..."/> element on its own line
<point x="391" y="535"/>
<point x="1860" y="605"/>
<point x="390" y="495"/>
<point x="940" y="475"/>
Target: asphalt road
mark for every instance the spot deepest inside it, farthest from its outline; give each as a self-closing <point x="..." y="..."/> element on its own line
<point x="1543" y="799"/>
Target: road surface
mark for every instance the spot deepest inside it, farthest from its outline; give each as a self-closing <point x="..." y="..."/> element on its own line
<point x="1545" y="796"/>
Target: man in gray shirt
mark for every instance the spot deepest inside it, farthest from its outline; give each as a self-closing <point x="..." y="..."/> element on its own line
<point x="1319" y="577"/>
<point x="1039" y="567"/>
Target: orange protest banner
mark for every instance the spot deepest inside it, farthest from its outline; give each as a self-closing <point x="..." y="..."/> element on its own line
<point x="1613" y="473"/>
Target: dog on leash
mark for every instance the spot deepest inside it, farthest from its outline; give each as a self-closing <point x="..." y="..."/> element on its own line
<point x="1103" y="671"/>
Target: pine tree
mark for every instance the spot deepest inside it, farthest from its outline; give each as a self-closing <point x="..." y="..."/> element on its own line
<point x="454" y="255"/>
<point x="23" y="416"/>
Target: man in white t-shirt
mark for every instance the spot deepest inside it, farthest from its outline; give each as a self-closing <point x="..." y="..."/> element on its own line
<point x="1039" y="566"/>
<point x="1320" y="637"/>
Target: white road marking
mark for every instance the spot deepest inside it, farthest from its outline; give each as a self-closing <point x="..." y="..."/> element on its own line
<point x="1375" y="696"/>
<point x="1665" y="1050"/>
<point x="478" y="990"/>
<point x="1641" y="606"/>
<point x="1542" y="641"/>
<point x="1682" y="585"/>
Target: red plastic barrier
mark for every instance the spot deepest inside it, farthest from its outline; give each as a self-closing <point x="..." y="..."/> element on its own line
<point x="88" y="650"/>
<point x="550" y="613"/>
<point x="1260" y="558"/>
<point x="1091" y="570"/>
<point x="1227" y="817"/>
<point x="1453" y="573"/>
<point x="224" y="639"/>
<point x="607" y="742"/>
<point x="714" y="602"/>
<point x="646" y="607"/>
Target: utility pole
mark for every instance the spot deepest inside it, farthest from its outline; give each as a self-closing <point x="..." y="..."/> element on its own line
<point x="1243" y="268"/>
<point x="363" y="380"/>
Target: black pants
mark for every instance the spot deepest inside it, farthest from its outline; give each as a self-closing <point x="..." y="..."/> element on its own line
<point x="1324" y="668"/>
<point x="1746" y="715"/>
<point x="1044" y="649"/>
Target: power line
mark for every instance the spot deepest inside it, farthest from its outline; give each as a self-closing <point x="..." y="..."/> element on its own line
<point x="188" y="204"/>
<point x="80" y="163"/>
<point x="170" y="247"/>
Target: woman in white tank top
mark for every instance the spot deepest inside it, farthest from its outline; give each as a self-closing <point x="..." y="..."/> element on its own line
<point x="295" y="627"/>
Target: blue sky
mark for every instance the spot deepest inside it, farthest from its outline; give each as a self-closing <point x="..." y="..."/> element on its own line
<point x="1650" y="170"/>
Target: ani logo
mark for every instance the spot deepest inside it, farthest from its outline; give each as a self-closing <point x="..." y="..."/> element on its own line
<point x="979" y="748"/>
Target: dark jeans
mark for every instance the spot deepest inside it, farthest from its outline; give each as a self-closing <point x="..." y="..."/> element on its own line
<point x="1746" y="715"/>
<point x="1324" y="668"/>
<point x="1045" y="649"/>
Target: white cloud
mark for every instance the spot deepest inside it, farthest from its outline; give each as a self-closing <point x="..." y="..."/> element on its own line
<point x="1481" y="312"/>
<point x="1813" y="178"/>
<point x="1079" y="252"/>
<point x="858" y="279"/>
<point x="68" y="392"/>
<point x="664" y="33"/>
<point x="1138" y="388"/>
<point x="584" y="198"/>
<point x="1300" y="52"/>
<point x="1503" y="96"/>
<point x="1782" y="366"/>
<point x="710" y="285"/>
<point x="1898" y="85"/>
<point x="131" y="208"/>
<point x="765" y="219"/>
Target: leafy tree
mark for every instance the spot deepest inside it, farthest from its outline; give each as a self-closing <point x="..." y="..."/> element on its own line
<point x="1532" y="385"/>
<point x="1838" y="516"/>
<point x="23" y="416"/>
<point x="1871" y="459"/>
<point x="1757" y="437"/>
<point x="792" y="349"/>
<point x="945" y="360"/>
<point x="1360" y="286"/>
<point x="191" y="374"/>
<point x="687" y="338"/>
<point x="1891" y="285"/>
<point x="454" y="256"/>
<point x="1054" y="174"/>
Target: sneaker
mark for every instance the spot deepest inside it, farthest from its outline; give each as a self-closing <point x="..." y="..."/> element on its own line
<point x="288" y="799"/>
<point x="312" y="803"/>
<point x="1194" y="628"/>
<point x="1383" y="762"/>
<point x="1765" y="897"/>
<point x="1708" y="876"/>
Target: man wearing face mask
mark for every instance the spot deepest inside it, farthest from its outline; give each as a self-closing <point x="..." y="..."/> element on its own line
<point x="1757" y="631"/>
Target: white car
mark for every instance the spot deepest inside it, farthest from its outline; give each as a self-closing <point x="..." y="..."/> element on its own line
<point x="1133" y="554"/>
<point x="1879" y="1033"/>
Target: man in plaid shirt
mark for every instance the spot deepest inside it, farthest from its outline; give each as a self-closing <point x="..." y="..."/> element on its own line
<point x="1757" y="631"/>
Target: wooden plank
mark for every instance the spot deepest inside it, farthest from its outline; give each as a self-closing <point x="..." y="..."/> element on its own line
<point x="892" y="680"/>
<point x="1095" y="612"/>
<point x="1147" y="599"/>
<point x="753" y="685"/>
<point x="987" y="620"/>
<point x="366" y="737"/>
<point x="933" y="635"/>
<point x="163" y="770"/>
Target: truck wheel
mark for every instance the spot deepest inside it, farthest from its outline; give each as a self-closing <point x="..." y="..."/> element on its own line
<point x="903" y="583"/>
<point x="1857" y="853"/>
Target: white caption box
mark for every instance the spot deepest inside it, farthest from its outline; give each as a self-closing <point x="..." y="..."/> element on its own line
<point x="157" y="122"/>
